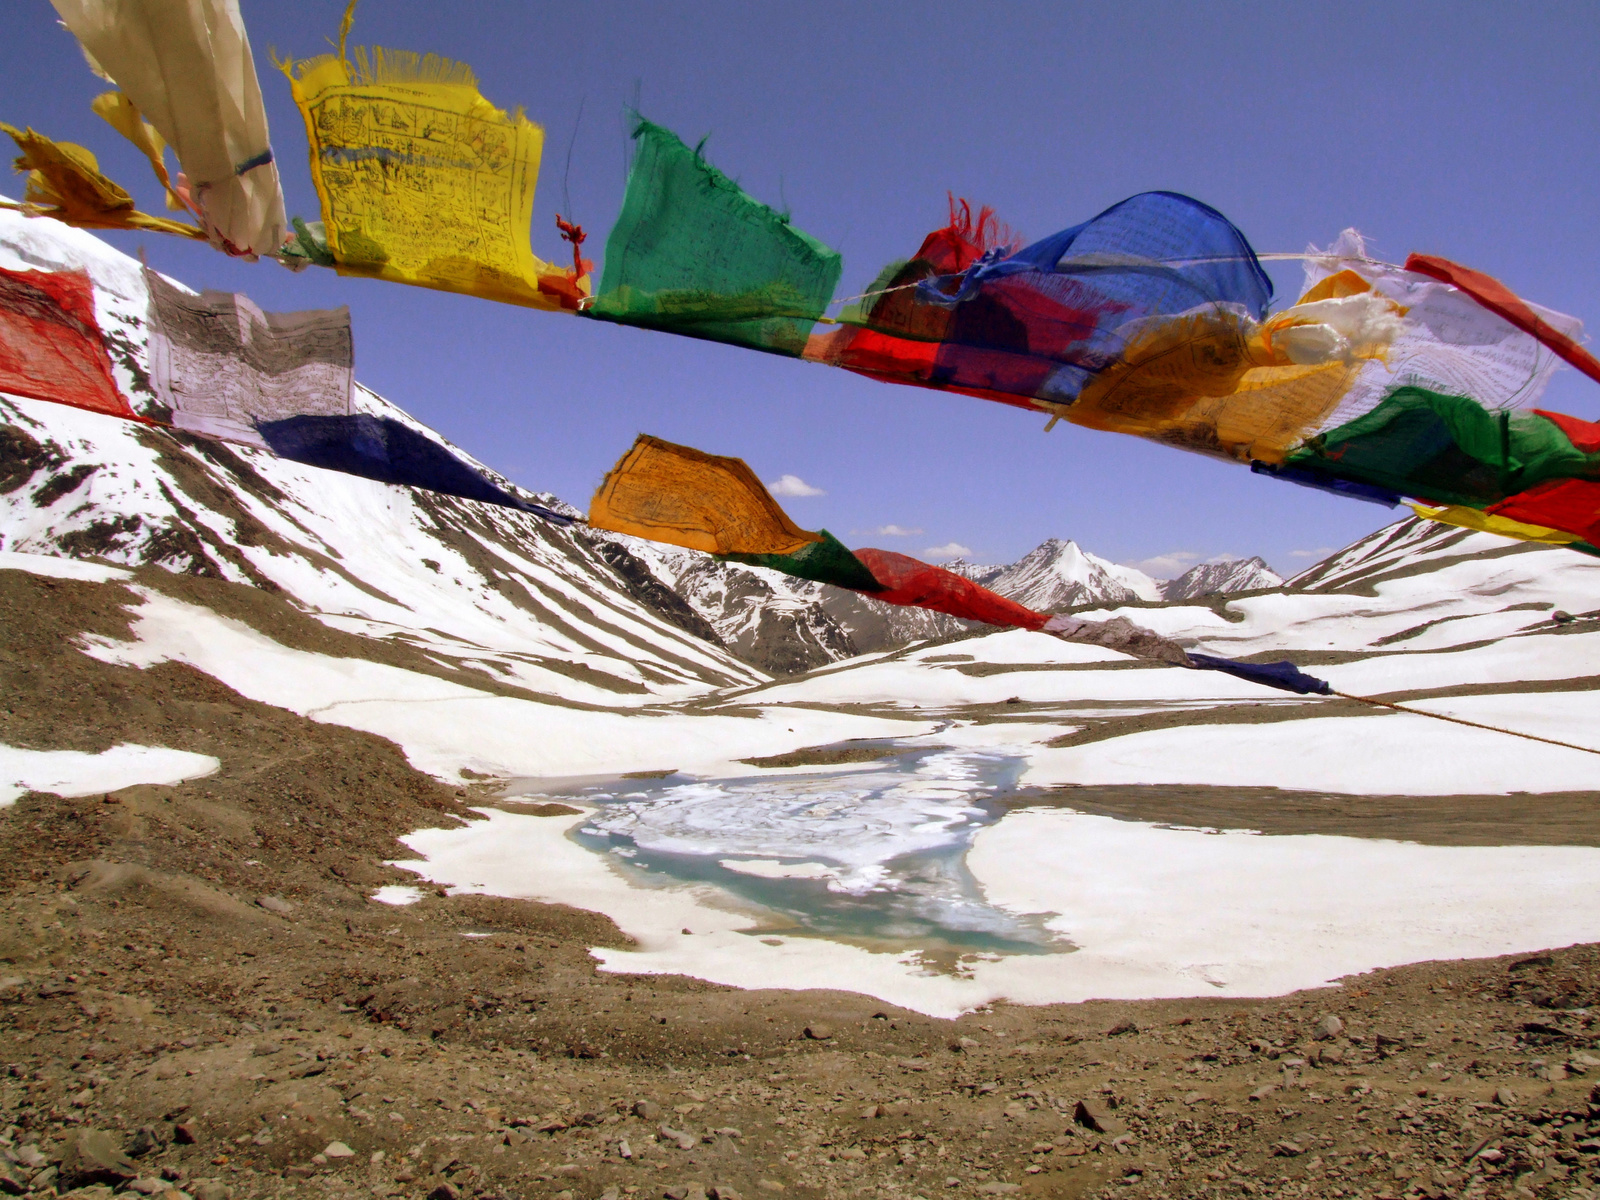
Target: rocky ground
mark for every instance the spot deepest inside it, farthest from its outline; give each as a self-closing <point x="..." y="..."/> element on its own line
<point x="198" y="996"/>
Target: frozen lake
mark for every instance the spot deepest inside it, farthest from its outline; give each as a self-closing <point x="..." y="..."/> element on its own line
<point x="929" y="880"/>
<point x="872" y="853"/>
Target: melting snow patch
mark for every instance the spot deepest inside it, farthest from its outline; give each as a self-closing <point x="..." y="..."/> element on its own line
<point x="397" y="894"/>
<point x="75" y="773"/>
<point x="1151" y="912"/>
<point x="60" y="568"/>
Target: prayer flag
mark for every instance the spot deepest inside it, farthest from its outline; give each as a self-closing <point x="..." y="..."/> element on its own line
<point x="422" y="180"/>
<point x="1471" y="518"/>
<point x="1501" y="300"/>
<point x="1569" y="505"/>
<point x="685" y="497"/>
<point x="223" y="366"/>
<point x="1284" y="676"/>
<point x="186" y="67"/>
<point x="1445" y="449"/>
<point x="50" y="343"/>
<point x="389" y="451"/>
<point x="909" y="582"/>
<point x="64" y="182"/>
<point x="824" y="561"/>
<point x="1448" y="341"/>
<point x="693" y="254"/>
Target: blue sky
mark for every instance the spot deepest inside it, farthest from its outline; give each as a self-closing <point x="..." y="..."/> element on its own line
<point x="1465" y="130"/>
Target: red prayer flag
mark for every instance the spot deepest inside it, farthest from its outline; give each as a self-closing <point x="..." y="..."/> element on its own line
<point x="1570" y="505"/>
<point x="1501" y="300"/>
<point x="1585" y="435"/>
<point x="50" y="344"/>
<point x="918" y="585"/>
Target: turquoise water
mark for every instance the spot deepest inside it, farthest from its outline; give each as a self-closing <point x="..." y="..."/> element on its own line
<point x="874" y="853"/>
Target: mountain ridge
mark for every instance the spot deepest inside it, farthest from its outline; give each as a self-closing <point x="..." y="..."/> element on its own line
<point x="1221" y="578"/>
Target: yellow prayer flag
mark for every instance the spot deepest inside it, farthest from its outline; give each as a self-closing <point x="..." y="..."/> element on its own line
<point x="422" y="180"/>
<point x="1213" y="380"/>
<point x="685" y="497"/>
<point x="123" y="115"/>
<point x="1205" y="380"/>
<point x="1471" y="518"/>
<point x="64" y="182"/>
<point x="1267" y="414"/>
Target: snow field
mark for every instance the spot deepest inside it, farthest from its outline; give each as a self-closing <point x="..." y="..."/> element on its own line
<point x="75" y="773"/>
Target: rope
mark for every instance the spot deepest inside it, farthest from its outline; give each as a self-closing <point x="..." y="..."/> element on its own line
<point x="1422" y="712"/>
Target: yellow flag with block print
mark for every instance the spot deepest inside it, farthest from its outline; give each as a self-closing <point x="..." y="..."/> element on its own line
<point x="422" y="180"/>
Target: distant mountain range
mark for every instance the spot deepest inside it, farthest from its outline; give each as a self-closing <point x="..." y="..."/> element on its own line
<point x="1058" y="574"/>
<point x="785" y="626"/>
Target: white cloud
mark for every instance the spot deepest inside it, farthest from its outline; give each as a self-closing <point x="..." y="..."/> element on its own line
<point x="1168" y="566"/>
<point x="793" y="485"/>
<point x="947" y="551"/>
<point x="1321" y="552"/>
<point x="888" y="531"/>
<point x="1176" y="562"/>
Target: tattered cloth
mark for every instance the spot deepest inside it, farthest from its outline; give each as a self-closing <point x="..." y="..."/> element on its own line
<point x="422" y="180"/>
<point x="223" y="366"/>
<point x="50" y="342"/>
<point x="686" y="497"/>
<point x="389" y="451"/>
<point x="1119" y="634"/>
<point x="1501" y="300"/>
<point x="1451" y="340"/>
<point x="187" y="68"/>
<point x="65" y="182"/>
<point x="693" y="254"/>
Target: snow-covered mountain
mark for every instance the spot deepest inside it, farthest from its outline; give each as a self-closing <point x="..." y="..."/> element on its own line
<point x="455" y="588"/>
<point x="1059" y="574"/>
<point x="1221" y="578"/>
<point x="781" y="624"/>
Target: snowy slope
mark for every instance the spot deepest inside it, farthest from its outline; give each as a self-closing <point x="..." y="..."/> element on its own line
<point x="1412" y="586"/>
<point x="781" y="624"/>
<point x="484" y="592"/>
<point x="1409" y="547"/>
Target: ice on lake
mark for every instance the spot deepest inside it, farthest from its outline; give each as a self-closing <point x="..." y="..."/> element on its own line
<point x="874" y="853"/>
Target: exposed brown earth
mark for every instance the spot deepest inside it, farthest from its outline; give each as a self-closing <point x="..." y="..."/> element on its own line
<point x="1542" y="819"/>
<point x="197" y="993"/>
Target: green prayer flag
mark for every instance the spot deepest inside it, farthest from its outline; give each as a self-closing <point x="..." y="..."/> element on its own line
<point x="827" y="561"/>
<point x="693" y="254"/>
<point x="1448" y="449"/>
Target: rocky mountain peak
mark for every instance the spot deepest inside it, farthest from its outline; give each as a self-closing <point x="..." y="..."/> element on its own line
<point x="1231" y="575"/>
<point x="1058" y="574"/>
